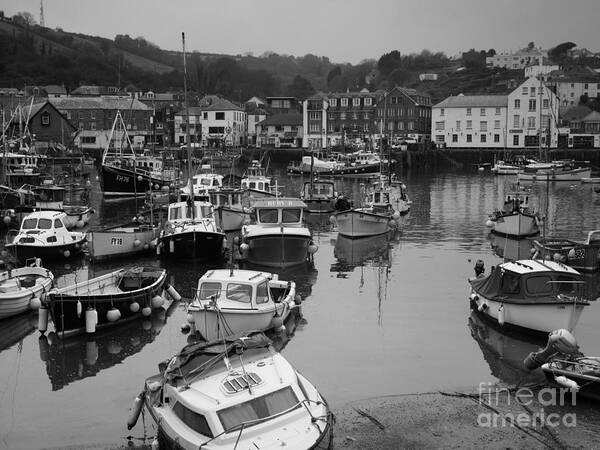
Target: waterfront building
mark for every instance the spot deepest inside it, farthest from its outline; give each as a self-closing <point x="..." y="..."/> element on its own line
<point x="280" y="131"/>
<point x="532" y="111"/>
<point x="404" y="114"/>
<point x="164" y="105"/>
<point x="584" y="126"/>
<point x="94" y="116"/>
<point x="278" y="105"/>
<point x="571" y="87"/>
<point x="515" y="61"/>
<point x="255" y="115"/>
<point x="470" y="121"/>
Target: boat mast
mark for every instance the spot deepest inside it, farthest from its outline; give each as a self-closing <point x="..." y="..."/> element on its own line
<point x="540" y="109"/>
<point x="187" y="124"/>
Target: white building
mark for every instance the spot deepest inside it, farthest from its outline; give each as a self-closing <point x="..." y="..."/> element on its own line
<point x="569" y="89"/>
<point x="470" y="121"/>
<point x="532" y="110"/>
<point x="534" y="70"/>
<point x="514" y="61"/>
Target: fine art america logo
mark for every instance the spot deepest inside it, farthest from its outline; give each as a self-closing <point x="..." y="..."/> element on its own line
<point x="533" y="402"/>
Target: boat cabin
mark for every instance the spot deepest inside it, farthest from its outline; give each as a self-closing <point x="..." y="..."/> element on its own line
<point x="235" y="289"/>
<point x="227" y="197"/>
<point x="514" y="202"/>
<point x="284" y="211"/>
<point x="49" y="196"/>
<point x="44" y="227"/>
<point x="189" y="211"/>
<point x="320" y="190"/>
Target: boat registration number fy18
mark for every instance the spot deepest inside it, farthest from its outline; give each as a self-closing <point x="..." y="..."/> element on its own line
<point x="116" y="241"/>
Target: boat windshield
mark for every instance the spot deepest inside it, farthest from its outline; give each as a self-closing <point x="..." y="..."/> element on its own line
<point x="44" y="224"/>
<point x="29" y="224"/>
<point x="207" y="290"/>
<point x="262" y="293"/>
<point x="289" y="215"/>
<point x="258" y="408"/>
<point x="267" y="215"/>
<point x="539" y="285"/>
<point x="510" y="283"/>
<point x="239" y="292"/>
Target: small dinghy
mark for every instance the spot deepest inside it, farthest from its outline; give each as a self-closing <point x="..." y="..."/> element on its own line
<point x="231" y="301"/>
<point x="24" y="288"/>
<point x="566" y="367"/>
<point x="234" y="393"/>
<point x="108" y="299"/>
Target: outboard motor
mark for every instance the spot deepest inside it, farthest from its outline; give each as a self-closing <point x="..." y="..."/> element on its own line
<point x="559" y="341"/>
<point x="479" y="267"/>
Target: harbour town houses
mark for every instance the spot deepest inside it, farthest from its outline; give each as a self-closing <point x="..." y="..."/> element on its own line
<point x="404" y="114"/>
<point x="515" y="120"/>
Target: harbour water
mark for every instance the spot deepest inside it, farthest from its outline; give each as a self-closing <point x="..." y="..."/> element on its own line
<point x="380" y="316"/>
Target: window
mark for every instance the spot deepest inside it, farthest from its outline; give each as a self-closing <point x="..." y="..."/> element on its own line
<point x="192" y="419"/>
<point x="483" y="126"/>
<point x="545" y="121"/>
<point x="482" y="111"/>
<point x="88" y="139"/>
<point x="469" y="138"/>
<point x="58" y="223"/>
<point x="262" y="293"/>
<point x="531" y="122"/>
<point x="585" y="86"/>
<point x="532" y="92"/>
<point x="356" y="101"/>
<point x="314" y="127"/>
<point x="524" y="91"/>
<point x="333" y="102"/>
<point x="92" y="114"/>
<point x="469" y="124"/>
<point x="269" y="215"/>
<point x="239" y="292"/>
<point x="92" y="125"/>
<point x="314" y="115"/>
<point x="44" y="224"/>
<point x="482" y="138"/>
<point x="516" y="121"/>
<point x="496" y="124"/>
<point x="205" y="115"/>
<point x="219" y="116"/>
<point x="289" y="215"/>
<point x="440" y="125"/>
<point x="45" y="118"/>
<point x="496" y="138"/>
<point x="545" y="103"/>
<point x="455" y="138"/>
<point x="532" y="105"/>
<point x="509" y="283"/>
<point x="344" y="101"/>
<point x="208" y="290"/>
<point x="458" y="125"/>
<point x="411" y="125"/>
<point x="468" y="111"/>
<point x="517" y="103"/>
<point x="442" y="111"/>
<point x="516" y="140"/>
<point x="539" y="284"/>
<point x="439" y="138"/>
<point x="497" y="111"/>
<point x="368" y="101"/>
<point x="29" y="224"/>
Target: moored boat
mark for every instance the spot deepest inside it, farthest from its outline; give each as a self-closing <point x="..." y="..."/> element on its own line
<point x="319" y="196"/>
<point x="584" y="255"/>
<point x="230" y="210"/>
<point x="257" y="183"/>
<point x="108" y="299"/>
<point x="278" y="238"/>
<point x="516" y="219"/>
<point x="231" y="301"/>
<point x="556" y="172"/>
<point x="121" y="240"/>
<point x="234" y="393"/>
<point x="23" y="289"/>
<point x="534" y="295"/>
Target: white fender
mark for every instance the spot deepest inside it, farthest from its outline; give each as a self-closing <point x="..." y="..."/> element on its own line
<point x="136" y="409"/>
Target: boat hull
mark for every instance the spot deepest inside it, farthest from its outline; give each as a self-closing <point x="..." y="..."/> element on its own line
<point x="214" y="324"/>
<point x="532" y="317"/>
<point x="121" y="182"/>
<point x="230" y="219"/>
<point x="319" y="205"/>
<point x="555" y="174"/>
<point x="198" y="245"/>
<point x="120" y="241"/>
<point x="577" y="255"/>
<point x="24" y="252"/>
<point x="16" y="300"/>
<point x="516" y="225"/>
<point x="589" y="383"/>
<point x="277" y="250"/>
<point x="356" y="224"/>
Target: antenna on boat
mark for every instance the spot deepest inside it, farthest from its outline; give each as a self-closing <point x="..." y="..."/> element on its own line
<point x="187" y="126"/>
<point x="239" y="351"/>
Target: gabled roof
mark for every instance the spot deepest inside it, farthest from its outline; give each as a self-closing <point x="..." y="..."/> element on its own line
<point x="282" y="119"/>
<point x="576" y="113"/>
<point x="123" y="103"/>
<point x="55" y="89"/>
<point x="594" y="116"/>
<point x="214" y="103"/>
<point x="475" y="101"/>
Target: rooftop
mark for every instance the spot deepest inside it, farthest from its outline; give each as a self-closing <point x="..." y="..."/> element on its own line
<point x="476" y="101"/>
<point x="106" y="102"/>
<point x="283" y="119"/>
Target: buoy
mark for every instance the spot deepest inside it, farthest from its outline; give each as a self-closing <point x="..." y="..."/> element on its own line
<point x="185" y="328"/>
<point x="392" y="223"/>
<point x="137" y="243"/>
<point x="482" y="307"/>
<point x="312" y="248"/>
<point x="91" y="352"/>
<point x="547" y="257"/>
<point x="297" y="299"/>
<point x="91" y="320"/>
<point x="501" y="314"/>
<point x="567" y="382"/>
<point x="79" y="224"/>
<point x="190" y="318"/>
<point x="136" y="409"/>
<point x="571" y="253"/>
<point x="44" y="348"/>
<point x="489" y="223"/>
<point x="134" y="307"/>
<point x="332" y="220"/>
<point x="79" y="309"/>
<point x="7" y="220"/>
<point x="244" y="248"/>
<point x="236" y="240"/>
<point x="146" y="325"/>
<point x="113" y="314"/>
<point x="35" y="303"/>
<point x="114" y="348"/>
<point x="396" y="215"/>
<point x="146" y="246"/>
<point x="556" y="257"/>
<point x="276" y="321"/>
<point x="158" y="249"/>
<point x="43" y="319"/>
<point x="173" y="293"/>
<point x="146" y="311"/>
<point x="140" y="178"/>
<point x="172" y="246"/>
<point x="156" y="186"/>
<point x="67" y="253"/>
<point x="157" y="301"/>
<point x="165" y="188"/>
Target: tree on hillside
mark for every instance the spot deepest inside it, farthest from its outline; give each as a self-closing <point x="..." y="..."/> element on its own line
<point x="388" y="62"/>
<point x="300" y="88"/>
<point x="335" y="72"/>
<point x="531" y="45"/>
<point x="559" y="52"/>
<point x="24" y="18"/>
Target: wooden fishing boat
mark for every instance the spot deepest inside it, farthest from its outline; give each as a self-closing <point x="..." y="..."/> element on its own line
<point x="121" y="240"/>
<point x="24" y="289"/>
<point x="108" y="299"/>
<point x="234" y="393"/>
<point x="231" y="212"/>
<point x="583" y="256"/>
<point x="44" y="234"/>
<point x="257" y="184"/>
<point x="516" y="219"/>
<point x="534" y="295"/>
<point x="278" y="237"/>
<point x="319" y="196"/>
<point x="229" y="301"/>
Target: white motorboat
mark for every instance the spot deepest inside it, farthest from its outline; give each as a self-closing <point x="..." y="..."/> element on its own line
<point x="234" y="393"/>
<point x="556" y="172"/>
<point x="24" y="288"/>
<point x="278" y="238"/>
<point x="257" y="183"/>
<point x="204" y="182"/>
<point x="534" y="295"/>
<point x="319" y="196"/>
<point x="44" y="234"/>
<point x="231" y="301"/>
<point x="231" y="211"/>
<point x="516" y="219"/>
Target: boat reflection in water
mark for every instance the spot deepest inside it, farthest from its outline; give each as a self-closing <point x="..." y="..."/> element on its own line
<point x="505" y="351"/>
<point x="83" y="356"/>
<point x="15" y="329"/>
<point x="351" y="253"/>
<point x="510" y="249"/>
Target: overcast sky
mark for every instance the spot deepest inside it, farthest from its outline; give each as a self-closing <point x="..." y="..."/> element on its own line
<point x="343" y="30"/>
